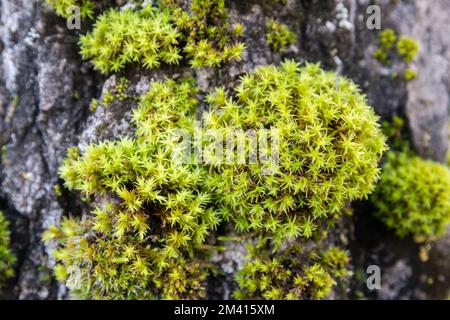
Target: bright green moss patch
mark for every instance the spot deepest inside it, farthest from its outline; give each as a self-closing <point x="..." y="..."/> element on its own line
<point x="283" y="276"/>
<point x="121" y="37"/>
<point x="118" y="92"/>
<point x="162" y="34"/>
<point x="210" y="39"/>
<point x="7" y="258"/>
<point x="407" y="48"/>
<point x="64" y="8"/>
<point x="153" y="214"/>
<point x="329" y="145"/>
<point x="410" y="74"/>
<point x="139" y="245"/>
<point x="387" y="40"/>
<point x="413" y="196"/>
<point x="403" y="47"/>
<point x="279" y="36"/>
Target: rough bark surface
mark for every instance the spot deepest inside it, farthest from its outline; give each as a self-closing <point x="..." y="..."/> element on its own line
<point x="46" y="89"/>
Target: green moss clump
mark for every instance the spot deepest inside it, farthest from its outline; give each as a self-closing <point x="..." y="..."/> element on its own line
<point x="387" y="39"/>
<point x="279" y="36"/>
<point x="7" y="258"/>
<point x="119" y="92"/>
<point x="146" y="36"/>
<point x="142" y="243"/>
<point x="63" y="7"/>
<point x="330" y="143"/>
<point x="410" y="74"/>
<point x="206" y="32"/>
<point x="296" y="273"/>
<point x="146" y="236"/>
<point x="408" y="48"/>
<point x="413" y="196"/>
<point x="154" y="35"/>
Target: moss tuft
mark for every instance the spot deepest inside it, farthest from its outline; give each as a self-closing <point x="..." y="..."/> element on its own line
<point x="280" y="276"/>
<point x="146" y="237"/>
<point x="413" y="196"/>
<point x="279" y="36"/>
<point x="162" y="34"/>
<point x="64" y="8"/>
<point x="140" y="245"/>
<point x="407" y="48"/>
<point x="121" y="37"/>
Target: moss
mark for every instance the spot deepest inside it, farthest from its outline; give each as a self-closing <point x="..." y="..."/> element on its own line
<point x="448" y="158"/>
<point x="394" y="130"/>
<point x="392" y="46"/>
<point x="153" y="215"/>
<point x="93" y="105"/>
<point x="407" y="48"/>
<point x="7" y="258"/>
<point x="210" y="40"/>
<point x="161" y="34"/>
<point x="410" y="74"/>
<point x="329" y="146"/>
<point x="64" y="8"/>
<point x="387" y="39"/>
<point x="118" y="92"/>
<point x="413" y="196"/>
<point x="281" y="276"/>
<point x="57" y="189"/>
<point x="279" y="36"/>
<point x="143" y="246"/>
<point x="121" y="37"/>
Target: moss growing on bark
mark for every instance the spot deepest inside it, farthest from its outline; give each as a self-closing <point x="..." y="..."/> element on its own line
<point x="142" y="243"/>
<point x="413" y="196"/>
<point x="164" y="33"/>
<point x="146" y="236"/>
<point x="7" y="258"/>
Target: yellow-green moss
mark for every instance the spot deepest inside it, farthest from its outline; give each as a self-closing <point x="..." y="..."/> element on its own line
<point x="143" y="245"/>
<point x="413" y="196"/>
<point x="296" y="273"/>
<point x="403" y="47"/>
<point x="163" y="34"/>
<point x="279" y="36"/>
<point x="145" y="238"/>
<point x="330" y="143"/>
<point x="64" y="8"/>
<point x="7" y="258"/>
<point x="407" y="48"/>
